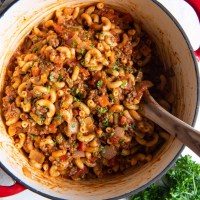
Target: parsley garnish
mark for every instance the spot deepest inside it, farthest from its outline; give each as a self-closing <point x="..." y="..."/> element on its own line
<point x="92" y="45"/>
<point x="60" y="78"/>
<point x="181" y="182"/>
<point x="99" y="83"/>
<point x="48" y="88"/>
<point x="133" y="127"/>
<point x="102" y="110"/>
<point x="117" y="62"/>
<point x="54" y="140"/>
<point x="74" y="43"/>
<point x="76" y="100"/>
<point x="73" y="143"/>
<point x="106" y="123"/>
<point x="112" y="134"/>
<point x="102" y="33"/>
<point x="35" y="49"/>
<point x="82" y="51"/>
<point x="126" y="127"/>
<point x="35" y="39"/>
<point x="51" y="78"/>
<point x="33" y="135"/>
<point x="77" y="91"/>
<point x="95" y="152"/>
<point x="71" y="90"/>
<point x="73" y="125"/>
<point x="115" y="68"/>
<point x="59" y="116"/>
<point x="92" y="68"/>
<point x="86" y="36"/>
<point x="82" y="62"/>
<point x="103" y="151"/>
<point x="124" y="83"/>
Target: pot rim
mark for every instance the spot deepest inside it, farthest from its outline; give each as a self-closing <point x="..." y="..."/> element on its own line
<point x="183" y="146"/>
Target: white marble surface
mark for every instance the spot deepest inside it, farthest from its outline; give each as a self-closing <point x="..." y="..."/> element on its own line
<point x="189" y="21"/>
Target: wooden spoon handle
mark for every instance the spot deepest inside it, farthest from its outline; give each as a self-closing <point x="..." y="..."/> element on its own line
<point x="177" y="128"/>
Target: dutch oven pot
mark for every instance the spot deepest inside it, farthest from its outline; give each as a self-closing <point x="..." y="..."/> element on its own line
<point x="176" y="53"/>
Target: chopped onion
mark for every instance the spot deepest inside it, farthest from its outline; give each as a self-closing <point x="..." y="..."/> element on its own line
<point x="119" y="132"/>
<point x="78" y="154"/>
<point x="109" y="152"/>
<point x="73" y="126"/>
<point x="89" y="122"/>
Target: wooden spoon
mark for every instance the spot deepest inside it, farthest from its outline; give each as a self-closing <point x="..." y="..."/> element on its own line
<point x="174" y="126"/>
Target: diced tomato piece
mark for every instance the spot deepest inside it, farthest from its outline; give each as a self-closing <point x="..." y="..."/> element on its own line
<point x="36" y="71"/>
<point x="112" y="162"/>
<point x="46" y="96"/>
<point x="82" y="146"/>
<point x="103" y="101"/>
<point x="85" y="72"/>
<point x="75" y="112"/>
<point x="124" y="120"/>
<point x="63" y="158"/>
<point x="81" y="172"/>
<point x="115" y="139"/>
<point x="52" y="128"/>
<point x="72" y="63"/>
<point x="57" y="28"/>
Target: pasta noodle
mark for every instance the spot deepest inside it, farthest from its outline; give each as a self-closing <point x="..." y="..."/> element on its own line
<point x="74" y="89"/>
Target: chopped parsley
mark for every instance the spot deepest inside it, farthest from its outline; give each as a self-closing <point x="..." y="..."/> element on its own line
<point x="121" y="140"/>
<point x="133" y="127"/>
<point x="95" y="152"/>
<point x="54" y="140"/>
<point x="117" y="62"/>
<point x="106" y="123"/>
<point x="73" y="143"/>
<point x="102" y="33"/>
<point x="128" y="69"/>
<point x="102" y="110"/>
<point x="91" y="68"/>
<point x="48" y="88"/>
<point x="60" y="78"/>
<point x="115" y="68"/>
<point x="74" y="43"/>
<point x="124" y="83"/>
<point x="86" y="36"/>
<point x="103" y="151"/>
<point x="99" y="83"/>
<point x="77" y="91"/>
<point x="92" y="45"/>
<point x="82" y="62"/>
<point x="81" y="124"/>
<point x="112" y="134"/>
<point x="51" y="78"/>
<point x="126" y="127"/>
<point x="82" y="51"/>
<point x="33" y="135"/>
<point x="76" y="99"/>
<point x="73" y="125"/>
<point x="35" y="49"/>
<point x="59" y="116"/>
<point x="71" y="90"/>
<point x="35" y="39"/>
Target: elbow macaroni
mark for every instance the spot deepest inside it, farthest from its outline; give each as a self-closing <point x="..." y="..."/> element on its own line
<point x="74" y="90"/>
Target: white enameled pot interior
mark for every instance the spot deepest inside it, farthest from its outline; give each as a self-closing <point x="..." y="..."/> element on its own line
<point x="17" y="23"/>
